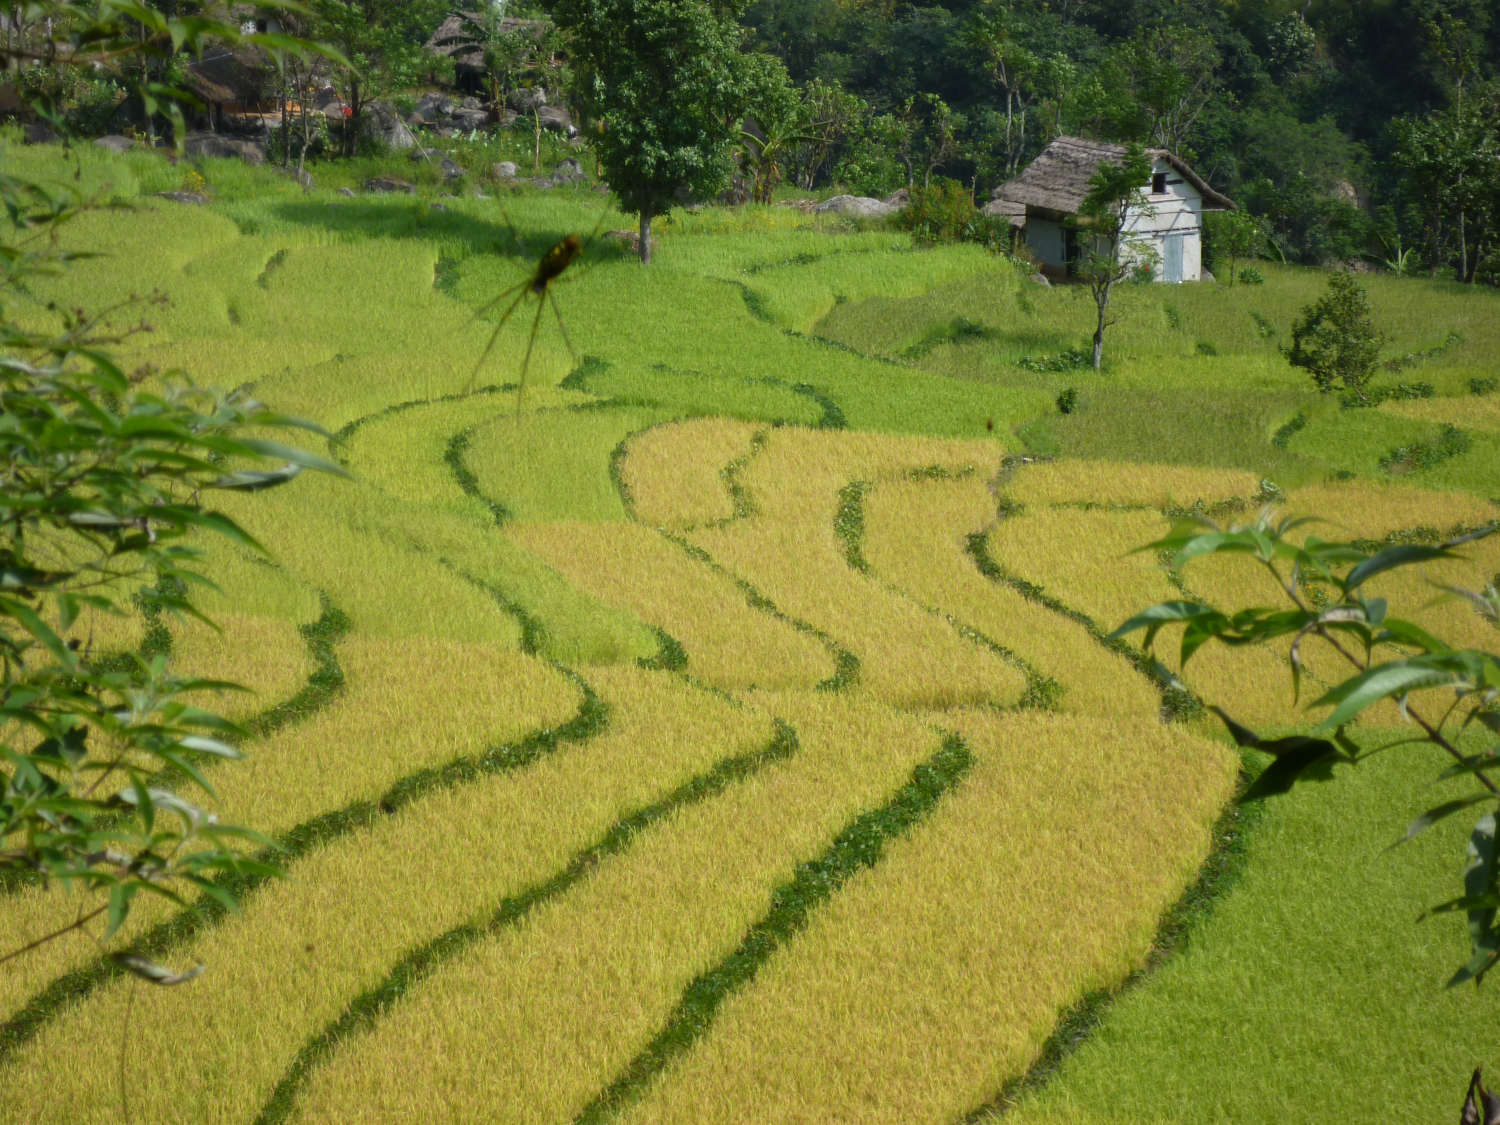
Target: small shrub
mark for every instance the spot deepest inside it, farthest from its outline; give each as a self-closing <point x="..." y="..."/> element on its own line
<point x="1400" y="392"/>
<point x="1335" y="340"/>
<point x="1067" y="401"/>
<point x="1263" y="326"/>
<point x="1073" y="359"/>
<point x="1483" y="386"/>
<point x="1252" y="276"/>
<point x="1283" y="436"/>
<point x="1203" y="347"/>
<point x="944" y="211"/>
<point x="1450" y="442"/>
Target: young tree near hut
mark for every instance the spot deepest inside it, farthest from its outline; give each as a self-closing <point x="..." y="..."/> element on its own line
<point x="1115" y="190"/>
<point x="1335" y="340"/>
<point x="662" y="82"/>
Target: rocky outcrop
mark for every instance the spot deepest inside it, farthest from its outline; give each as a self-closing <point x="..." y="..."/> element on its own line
<point x="855" y="206"/>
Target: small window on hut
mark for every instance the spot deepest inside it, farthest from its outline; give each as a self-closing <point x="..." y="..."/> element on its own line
<point x="1159" y="183"/>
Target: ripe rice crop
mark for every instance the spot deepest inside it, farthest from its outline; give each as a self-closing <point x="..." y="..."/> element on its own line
<point x="377" y="731"/>
<point x="789" y="551"/>
<point x="1358" y="508"/>
<point x="1471" y="412"/>
<point x="417" y="456"/>
<point x="303" y="947"/>
<point x="728" y="643"/>
<point x="674" y="474"/>
<point x="1067" y="481"/>
<point x="264" y="654"/>
<point x="579" y="987"/>
<point x="915" y="537"/>
<point x="937" y="974"/>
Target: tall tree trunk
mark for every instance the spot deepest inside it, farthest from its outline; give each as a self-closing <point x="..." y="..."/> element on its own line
<point x="1101" y="299"/>
<point x="645" y="236"/>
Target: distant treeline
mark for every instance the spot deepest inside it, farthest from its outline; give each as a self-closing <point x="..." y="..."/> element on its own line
<point x="1355" y="128"/>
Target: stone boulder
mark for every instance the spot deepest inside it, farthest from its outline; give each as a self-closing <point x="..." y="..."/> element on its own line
<point x="526" y="99"/>
<point x="505" y="170"/>
<point x="196" y="198"/>
<point x="568" y="171"/>
<point x="382" y="124"/>
<point x="217" y="144"/>
<point x="39" y="133"/>
<point x="116" y="143"/>
<point x="855" y="206"/>
<point x="433" y="106"/>
<point x="471" y="118"/>
<point x="898" y="198"/>
<point x="556" y="119"/>
<point x="389" y="184"/>
<point x="452" y="172"/>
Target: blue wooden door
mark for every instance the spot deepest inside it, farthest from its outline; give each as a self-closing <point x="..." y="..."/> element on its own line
<point x="1171" y="266"/>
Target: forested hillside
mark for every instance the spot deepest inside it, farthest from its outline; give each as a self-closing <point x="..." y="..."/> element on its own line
<point x="1354" y="127"/>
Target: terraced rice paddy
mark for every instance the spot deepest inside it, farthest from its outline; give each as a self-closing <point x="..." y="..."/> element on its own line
<point x="725" y="731"/>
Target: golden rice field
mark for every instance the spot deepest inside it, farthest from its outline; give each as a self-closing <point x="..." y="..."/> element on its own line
<point x="636" y="749"/>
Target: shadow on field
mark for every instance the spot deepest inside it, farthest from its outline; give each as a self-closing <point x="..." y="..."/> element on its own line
<point x="407" y="217"/>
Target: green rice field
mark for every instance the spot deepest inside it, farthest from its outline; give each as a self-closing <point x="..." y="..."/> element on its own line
<point x="720" y="725"/>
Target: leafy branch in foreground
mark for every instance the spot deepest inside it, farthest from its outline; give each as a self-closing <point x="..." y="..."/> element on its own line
<point x="1390" y="658"/>
<point x="102" y="479"/>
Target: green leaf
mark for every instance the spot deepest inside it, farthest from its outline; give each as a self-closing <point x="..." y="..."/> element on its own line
<point x="1393" y="679"/>
<point x="206" y="745"/>
<point x="151" y="971"/>
<point x="1481" y="884"/>
<point x="119" y="906"/>
<point x="1440" y="812"/>
<point x="1390" y="558"/>
<point x="251" y="481"/>
<point x="280" y="452"/>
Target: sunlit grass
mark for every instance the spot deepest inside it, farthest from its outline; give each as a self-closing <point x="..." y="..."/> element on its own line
<point x="790" y="551"/>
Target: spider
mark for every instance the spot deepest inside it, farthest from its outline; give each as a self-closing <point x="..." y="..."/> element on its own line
<point x="548" y="268"/>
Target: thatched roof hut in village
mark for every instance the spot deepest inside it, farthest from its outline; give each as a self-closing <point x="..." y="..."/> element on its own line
<point x="1168" y="221"/>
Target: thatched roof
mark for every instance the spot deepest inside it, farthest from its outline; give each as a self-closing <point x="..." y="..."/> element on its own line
<point x="453" y="38"/>
<point x="223" y="74"/>
<point x="1010" y="209"/>
<point x="1058" y="179"/>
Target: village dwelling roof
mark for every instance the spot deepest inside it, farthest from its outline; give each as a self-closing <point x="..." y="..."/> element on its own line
<point x="455" y="36"/>
<point x="1058" y="179"/>
<point x="1010" y="209"/>
<point x="225" y="74"/>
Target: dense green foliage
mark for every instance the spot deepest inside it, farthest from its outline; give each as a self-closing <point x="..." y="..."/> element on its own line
<point x="663" y="84"/>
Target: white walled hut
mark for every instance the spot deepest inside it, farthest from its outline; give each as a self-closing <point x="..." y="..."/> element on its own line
<point x="1168" y="222"/>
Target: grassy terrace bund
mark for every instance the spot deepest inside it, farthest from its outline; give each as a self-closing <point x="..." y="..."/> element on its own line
<point x="733" y="735"/>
